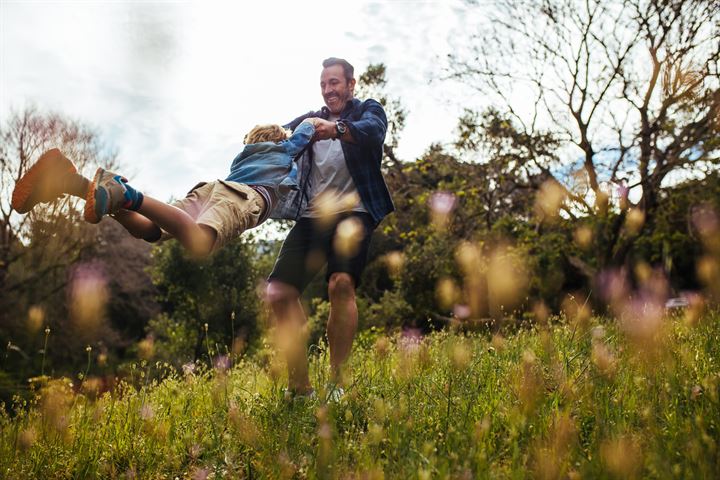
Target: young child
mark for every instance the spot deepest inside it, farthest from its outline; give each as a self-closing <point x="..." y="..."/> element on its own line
<point x="209" y="216"/>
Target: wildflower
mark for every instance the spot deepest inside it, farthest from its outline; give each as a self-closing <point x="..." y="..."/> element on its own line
<point x="27" y="438"/>
<point x="603" y="359"/>
<point x="583" y="237"/>
<point x="89" y="295"/>
<point x="146" y="348"/>
<point x="461" y="311"/>
<point x="506" y="277"/>
<point x="549" y="200"/>
<point x="348" y="236"/>
<point x="382" y="347"/>
<point x="189" y="368"/>
<point x="375" y="433"/>
<point x="446" y="292"/>
<point x="622" y="456"/>
<point x="243" y="425"/>
<point x="36" y="317"/>
<point x="460" y="356"/>
<point x="530" y="385"/>
<point x="696" y="392"/>
<point x="394" y="262"/>
<point x="199" y="474"/>
<point x="222" y="363"/>
<point x="441" y="206"/>
<point x="541" y="312"/>
<point x="634" y="221"/>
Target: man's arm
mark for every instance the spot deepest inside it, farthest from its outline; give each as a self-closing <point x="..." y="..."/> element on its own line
<point x="368" y="130"/>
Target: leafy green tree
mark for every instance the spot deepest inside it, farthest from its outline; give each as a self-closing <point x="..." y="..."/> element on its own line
<point x="210" y="307"/>
<point x="57" y="272"/>
<point x="602" y="98"/>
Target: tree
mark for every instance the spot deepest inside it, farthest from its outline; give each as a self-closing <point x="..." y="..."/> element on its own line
<point x="205" y="302"/>
<point x="58" y="272"/>
<point x="373" y="84"/>
<point x="626" y="91"/>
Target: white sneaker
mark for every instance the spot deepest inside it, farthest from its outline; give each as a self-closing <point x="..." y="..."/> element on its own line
<point x="335" y="394"/>
<point x="292" y="396"/>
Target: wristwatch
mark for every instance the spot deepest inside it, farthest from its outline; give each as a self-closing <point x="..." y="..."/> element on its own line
<point x="340" y="128"/>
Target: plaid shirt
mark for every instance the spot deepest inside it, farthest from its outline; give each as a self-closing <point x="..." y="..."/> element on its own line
<point x="367" y="124"/>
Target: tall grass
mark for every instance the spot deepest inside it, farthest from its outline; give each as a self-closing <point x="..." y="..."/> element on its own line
<point x="570" y="400"/>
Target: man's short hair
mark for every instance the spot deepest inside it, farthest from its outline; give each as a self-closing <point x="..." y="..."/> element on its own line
<point x="347" y="68"/>
<point x="266" y="133"/>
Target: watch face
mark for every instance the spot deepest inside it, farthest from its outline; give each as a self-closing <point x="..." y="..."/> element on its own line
<point x="341" y="128"/>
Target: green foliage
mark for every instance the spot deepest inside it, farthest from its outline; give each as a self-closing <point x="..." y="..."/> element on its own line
<point x="566" y="400"/>
<point x="44" y="253"/>
<point x="174" y="342"/>
<point x="672" y="239"/>
<point x="212" y="301"/>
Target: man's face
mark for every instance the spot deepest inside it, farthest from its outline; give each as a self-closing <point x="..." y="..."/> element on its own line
<point x="336" y="90"/>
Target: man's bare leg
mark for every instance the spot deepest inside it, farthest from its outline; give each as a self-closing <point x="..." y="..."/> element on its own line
<point x="291" y="333"/>
<point x="343" y="320"/>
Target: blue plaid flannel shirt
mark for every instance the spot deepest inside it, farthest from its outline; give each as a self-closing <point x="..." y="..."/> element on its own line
<point x="367" y="124"/>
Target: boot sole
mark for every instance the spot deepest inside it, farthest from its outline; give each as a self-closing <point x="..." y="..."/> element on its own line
<point x="26" y="185"/>
<point x="89" y="212"/>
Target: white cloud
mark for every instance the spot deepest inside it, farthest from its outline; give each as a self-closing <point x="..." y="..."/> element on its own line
<point x="175" y="86"/>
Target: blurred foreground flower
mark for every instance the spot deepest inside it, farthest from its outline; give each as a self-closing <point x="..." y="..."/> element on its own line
<point x="56" y="399"/>
<point x="394" y="262"/>
<point x="348" y="236"/>
<point x="634" y="221"/>
<point x="549" y="199"/>
<point x="88" y="297"/>
<point x="146" y="348"/>
<point x="622" y="456"/>
<point x="36" y="317"/>
<point x="441" y="206"/>
<point x="583" y="236"/>
<point x="447" y="293"/>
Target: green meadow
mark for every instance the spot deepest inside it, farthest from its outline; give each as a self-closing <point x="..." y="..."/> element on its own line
<point x="575" y="398"/>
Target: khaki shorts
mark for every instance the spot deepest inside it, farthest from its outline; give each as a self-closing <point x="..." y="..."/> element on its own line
<point x="229" y="208"/>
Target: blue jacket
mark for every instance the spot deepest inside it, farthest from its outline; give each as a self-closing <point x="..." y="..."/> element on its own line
<point x="271" y="164"/>
<point x="367" y="124"/>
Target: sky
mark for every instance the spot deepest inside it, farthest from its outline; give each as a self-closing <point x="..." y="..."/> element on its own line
<point x="174" y="86"/>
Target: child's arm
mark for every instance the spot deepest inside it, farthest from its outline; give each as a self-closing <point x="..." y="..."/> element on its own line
<point x="300" y="138"/>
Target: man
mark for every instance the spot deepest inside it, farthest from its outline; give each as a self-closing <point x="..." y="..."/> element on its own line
<point x="341" y="200"/>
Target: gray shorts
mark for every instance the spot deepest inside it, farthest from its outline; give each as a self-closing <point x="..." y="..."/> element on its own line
<point x="229" y="208"/>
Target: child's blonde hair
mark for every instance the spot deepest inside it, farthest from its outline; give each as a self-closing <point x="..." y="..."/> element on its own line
<point x="266" y="133"/>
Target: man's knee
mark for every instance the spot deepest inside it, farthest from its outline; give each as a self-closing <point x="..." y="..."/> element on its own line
<point x="341" y="286"/>
<point x="278" y="294"/>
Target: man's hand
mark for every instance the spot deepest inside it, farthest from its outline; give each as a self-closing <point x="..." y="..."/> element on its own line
<point x="324" y="129"/>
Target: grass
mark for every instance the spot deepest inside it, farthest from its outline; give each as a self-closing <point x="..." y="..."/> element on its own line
<point x="572" y="400"/>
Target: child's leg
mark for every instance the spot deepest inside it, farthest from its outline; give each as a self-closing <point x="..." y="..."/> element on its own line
<point x="138" y="226"/>
<point x="54" y="175"/>
<point x="111" y="194"/>
<point x="49" y="178"/>
<point x="197" y="239"/>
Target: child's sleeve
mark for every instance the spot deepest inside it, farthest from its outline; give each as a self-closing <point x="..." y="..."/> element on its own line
<point x="299" y="139"/>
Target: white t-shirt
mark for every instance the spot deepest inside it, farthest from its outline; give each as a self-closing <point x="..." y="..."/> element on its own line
<point x="332" y="189"/>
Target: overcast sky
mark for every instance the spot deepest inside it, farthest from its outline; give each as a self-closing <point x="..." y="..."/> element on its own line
<point x="174" y="86"/>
